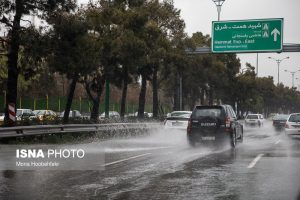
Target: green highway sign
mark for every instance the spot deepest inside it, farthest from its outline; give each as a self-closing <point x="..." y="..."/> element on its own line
<point x="259" y="35"/>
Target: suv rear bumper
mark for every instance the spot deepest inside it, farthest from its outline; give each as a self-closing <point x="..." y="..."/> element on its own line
<point x="203" y="137"/>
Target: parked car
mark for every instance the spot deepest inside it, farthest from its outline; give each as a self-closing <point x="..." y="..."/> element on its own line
<point x="1" y="118"/>
<point x="135" y="115"/>
<point x="254" y="120"/>
<point x="179" y="121"/>
<point x="25" y="114"/>
<point x="111" y="115"/>
<point x="214" y="124"/>
<point x="292" y="125"/>
<point x="150" y="115"/>
<point x="43" y="115"/>
<point x="146" y="114"/>
<point x="74" y="114"/>
<point x="86" y="115"/>
<point x="279" y="121"/>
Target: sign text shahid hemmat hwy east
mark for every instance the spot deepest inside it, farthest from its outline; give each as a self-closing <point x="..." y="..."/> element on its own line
<point x="259" y="35"/>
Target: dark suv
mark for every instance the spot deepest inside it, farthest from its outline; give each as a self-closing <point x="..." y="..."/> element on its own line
<point x="214" y="124"/>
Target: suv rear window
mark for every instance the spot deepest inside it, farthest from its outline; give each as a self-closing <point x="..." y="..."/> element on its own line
<point x="207" y="112"/>
<point x="252" y="117"/>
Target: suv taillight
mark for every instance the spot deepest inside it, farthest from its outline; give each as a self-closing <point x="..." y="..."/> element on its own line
<point x="189" y="127"/>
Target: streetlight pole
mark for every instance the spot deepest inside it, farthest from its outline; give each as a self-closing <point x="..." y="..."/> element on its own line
<point x="219" y="4"/>
<point x="293" y="75"/>
<point x="278" y="61"/>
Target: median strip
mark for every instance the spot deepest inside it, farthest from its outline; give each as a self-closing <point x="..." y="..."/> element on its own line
<point x="253" y="163"/>
<point x="126" y="159"/>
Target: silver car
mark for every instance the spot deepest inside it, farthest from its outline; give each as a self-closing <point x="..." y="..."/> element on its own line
<point x="292" y="125"/>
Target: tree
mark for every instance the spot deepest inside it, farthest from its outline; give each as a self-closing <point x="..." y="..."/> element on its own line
<point x="130" y="44"/>
<point x="163" y="31"/>
<point x="98" y="20"/>
<point x="74" y="51"/>
<point x="244" y="89"/>
<point x="11" y="15"/>
<point x="113" y="27"/>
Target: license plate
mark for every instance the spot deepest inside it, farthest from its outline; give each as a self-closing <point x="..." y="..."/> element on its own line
<point x="211" y="138"/>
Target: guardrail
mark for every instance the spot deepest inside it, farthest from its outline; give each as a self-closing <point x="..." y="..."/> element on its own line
<point x="21" y="131"/>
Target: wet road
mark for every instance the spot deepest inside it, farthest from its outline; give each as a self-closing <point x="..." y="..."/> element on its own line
<point x="162" y="166"/>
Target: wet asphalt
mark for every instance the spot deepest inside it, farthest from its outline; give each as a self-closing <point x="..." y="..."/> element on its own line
<point x="163" y="166"/>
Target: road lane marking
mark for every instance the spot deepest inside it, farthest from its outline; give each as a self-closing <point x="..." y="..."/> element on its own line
<point x="253" y="163"/>
<point x="126" y="159"/>
<point x="277" y="142"/>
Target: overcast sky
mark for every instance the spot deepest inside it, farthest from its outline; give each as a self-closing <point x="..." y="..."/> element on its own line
<point x="198" y="15"/>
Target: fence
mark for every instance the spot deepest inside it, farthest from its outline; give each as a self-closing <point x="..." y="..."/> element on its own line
<point x="58" y="104"/>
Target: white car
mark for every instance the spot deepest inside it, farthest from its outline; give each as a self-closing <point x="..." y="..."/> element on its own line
<point x="111" y="115"/>
<point x="25" y="114"/>
<point x="292" y="125"/>
<point x="254" y="119"/>
<point x="178" y="120"/>
<point x="75" y="114"/>
<point x="1" y="118"/>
